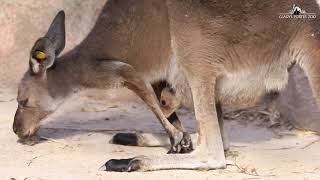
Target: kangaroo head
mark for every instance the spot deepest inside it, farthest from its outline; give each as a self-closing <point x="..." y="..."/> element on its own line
<point x="169" y="103"/>
<point x="34" y="98"/>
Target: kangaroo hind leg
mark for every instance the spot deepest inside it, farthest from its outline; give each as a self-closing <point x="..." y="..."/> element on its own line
<point x="308" y="57"/>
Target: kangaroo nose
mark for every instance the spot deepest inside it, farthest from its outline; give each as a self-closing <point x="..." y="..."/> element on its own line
<point x="16" y="123"/>
<point x="15" y="129"/>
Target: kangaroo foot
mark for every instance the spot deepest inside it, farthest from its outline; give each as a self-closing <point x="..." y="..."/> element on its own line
<point x="184" y="146"/>
<point x="122" y="165"/>
<point x="127" y="139"/>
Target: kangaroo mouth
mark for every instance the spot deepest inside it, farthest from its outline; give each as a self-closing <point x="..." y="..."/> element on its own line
<point x="24" y="135"/>
<point x="29" y="138"/>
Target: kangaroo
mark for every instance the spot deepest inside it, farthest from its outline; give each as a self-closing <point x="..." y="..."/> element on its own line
<point x="212" y="52"/>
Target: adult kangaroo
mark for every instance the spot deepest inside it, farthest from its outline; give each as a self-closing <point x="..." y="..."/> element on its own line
<point x="212" y="52"/>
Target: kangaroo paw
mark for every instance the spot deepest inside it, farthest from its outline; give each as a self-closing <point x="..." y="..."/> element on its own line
<point x="122" y="165"/>
<point x="184" y="146"/>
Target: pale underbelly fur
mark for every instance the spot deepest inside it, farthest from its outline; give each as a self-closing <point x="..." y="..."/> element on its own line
<point x="237" y="89"/>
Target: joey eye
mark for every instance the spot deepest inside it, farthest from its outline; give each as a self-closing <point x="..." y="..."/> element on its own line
<point x="163" y="103"/>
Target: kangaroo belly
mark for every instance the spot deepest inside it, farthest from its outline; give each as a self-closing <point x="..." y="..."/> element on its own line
<point x="247" y="87"/>
<point x="238" y="89"/>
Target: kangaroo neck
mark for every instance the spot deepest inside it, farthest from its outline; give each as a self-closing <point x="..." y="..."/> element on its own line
<point x="65" y="76"/>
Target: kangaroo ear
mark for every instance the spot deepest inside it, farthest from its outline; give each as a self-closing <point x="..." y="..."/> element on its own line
<point x="47" y="48"/>
<point x="56" y="32"/>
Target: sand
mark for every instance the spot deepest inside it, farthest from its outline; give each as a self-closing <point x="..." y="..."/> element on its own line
<point x="80" y="131"/>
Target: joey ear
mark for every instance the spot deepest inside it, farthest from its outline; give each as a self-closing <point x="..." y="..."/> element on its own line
<point x="56" y="32"/>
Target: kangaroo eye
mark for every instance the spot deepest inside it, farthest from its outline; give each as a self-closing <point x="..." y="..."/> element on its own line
<point x="163" y="103"/>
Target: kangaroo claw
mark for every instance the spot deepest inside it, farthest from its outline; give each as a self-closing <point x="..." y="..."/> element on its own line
<point x="182" y="146"/>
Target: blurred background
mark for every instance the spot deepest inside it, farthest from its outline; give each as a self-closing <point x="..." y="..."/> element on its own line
<point x="23" y="22"/>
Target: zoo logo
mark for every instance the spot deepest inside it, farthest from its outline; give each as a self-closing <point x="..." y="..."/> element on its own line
<point x="297" y="13"/>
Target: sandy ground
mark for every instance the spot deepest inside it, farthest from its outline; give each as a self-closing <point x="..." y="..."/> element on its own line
<point x="80" y="131"/>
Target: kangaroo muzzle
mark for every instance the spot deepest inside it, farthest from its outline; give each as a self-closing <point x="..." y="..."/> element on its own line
<point x="26" y="123"/>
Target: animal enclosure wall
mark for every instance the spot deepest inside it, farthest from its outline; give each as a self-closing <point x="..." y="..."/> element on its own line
<point x="22" y="22"/>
